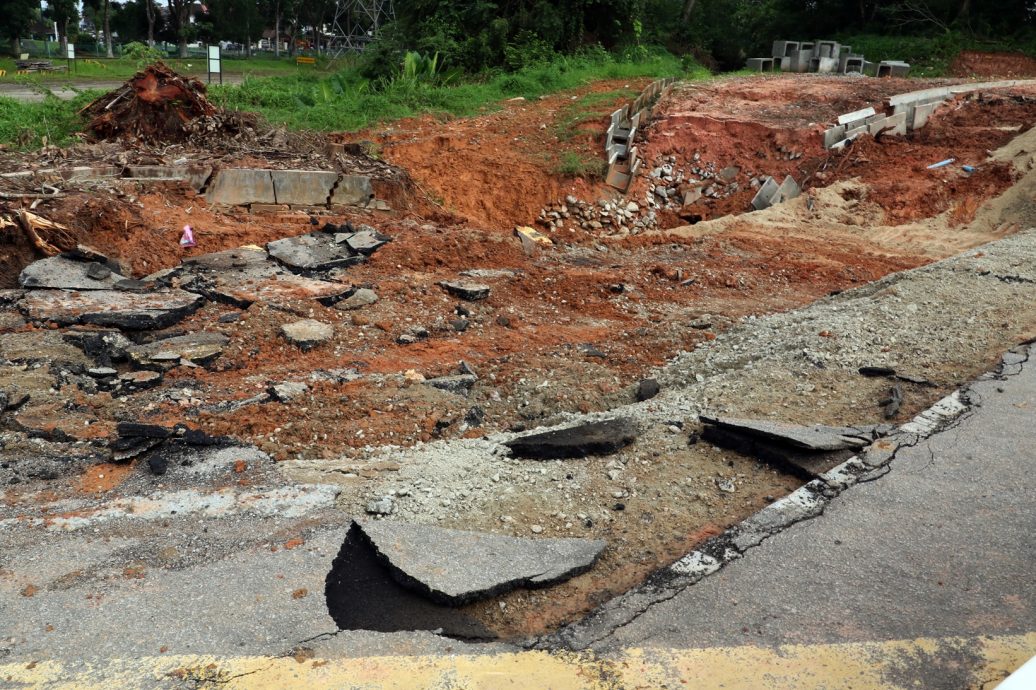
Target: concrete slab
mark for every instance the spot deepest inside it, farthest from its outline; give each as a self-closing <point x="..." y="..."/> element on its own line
<point x="303" y="187"/>
<point x="238" y="186"/>
<point x="91" y="172"/>
<point x="898" y="124"/>
<point x="856" y="115"/>
<point x="922" y="113"/>
<point x="788" y="190"/>
<point x="352" y="190"/>
<point x="456" y="567"/>
<point x="195" y="175"/>
<point x="760" y="64"/>
<point x="834" y="135"/>
<point x="855" y="132"/>
<point x="875" y="126"/>
<point x="817" y="437"/>
<point x="766" y="195"/>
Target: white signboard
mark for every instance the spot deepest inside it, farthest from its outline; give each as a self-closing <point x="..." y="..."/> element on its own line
<point x="214" y="60"/>
<point x="71" y="51"/>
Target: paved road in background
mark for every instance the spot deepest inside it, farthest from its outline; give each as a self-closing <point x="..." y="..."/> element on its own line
<point x="68" y="90"/>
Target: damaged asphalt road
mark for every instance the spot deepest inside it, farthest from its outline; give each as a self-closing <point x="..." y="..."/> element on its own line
<point x="941" y="546"/>
<point x="200" y="564"/>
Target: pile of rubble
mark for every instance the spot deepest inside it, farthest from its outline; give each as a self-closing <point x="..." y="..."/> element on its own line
<point x="682" y="188"/>
<point x="159" y="105"/>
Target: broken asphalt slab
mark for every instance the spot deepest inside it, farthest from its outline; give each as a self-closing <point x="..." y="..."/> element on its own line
<point x="115" y="308"/>
<point x="592" y="438"/>
<point x="393" y="576"/>
<point x="804" y="451"/>
<point x="59" y="272"/>
<point x="197" y="348"/>
<point x="815" y="438"/>
<point x="316" y="251"/>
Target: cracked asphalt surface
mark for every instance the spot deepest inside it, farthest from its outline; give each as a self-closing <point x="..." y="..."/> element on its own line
<point x="941" y="545"/>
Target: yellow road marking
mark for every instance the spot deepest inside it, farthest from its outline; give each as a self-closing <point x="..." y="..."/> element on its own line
<point x="979" y="663"/>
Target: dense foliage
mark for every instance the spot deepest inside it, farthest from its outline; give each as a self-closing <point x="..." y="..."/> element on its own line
<point x="476" y="35"/>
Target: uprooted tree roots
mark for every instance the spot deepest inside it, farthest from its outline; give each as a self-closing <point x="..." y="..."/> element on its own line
<point x="159" y="105"/>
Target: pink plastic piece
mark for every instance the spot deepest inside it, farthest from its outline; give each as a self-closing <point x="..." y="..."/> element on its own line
<point x="187" y="239"/>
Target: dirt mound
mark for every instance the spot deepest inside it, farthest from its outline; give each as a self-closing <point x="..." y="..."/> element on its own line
<point x="973" y="63"/>
<point x="159" y="105"/>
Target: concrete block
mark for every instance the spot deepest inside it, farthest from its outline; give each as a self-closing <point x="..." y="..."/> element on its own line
<point x="783" y="49"/>
<point x="921" y="115"/>
<point x="618" y="178"/>
<point x="303" y="187"/>
<point x="851" y="65"/>
<point x="892" y="68"/>
<point x="855" y="115"/>
<point x="898" y="124"/>
<point x="833" y="136"/>
<point x="234" y="186"/>
<point x="855" y="132"/>
<point x="870" y="68"/>
<point x="90" y="172"/>
<point x="807" y="48"/>
<point x="786" y="64"/>
<point x="827" y="49"/>
<point x="823" y="65"/>
<point x="766" y="195"/>
<point x="352" y="190"/>
<point x="691" y="195"/>
<point x="876" y="125"/>
<point x="195" y="175"/>
<point x="800" y="61"/>
<point x="760" y="64"/>
<point x="788" y="190"/>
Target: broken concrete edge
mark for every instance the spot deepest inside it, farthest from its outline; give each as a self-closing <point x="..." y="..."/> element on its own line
<point x="907" y="105"/>
<point x="196" y="175"/>
<point x="308" y="188"/>
<point x="631" y="117"/>
<point x="807" y="502"/>
<point x="445" y="599"/>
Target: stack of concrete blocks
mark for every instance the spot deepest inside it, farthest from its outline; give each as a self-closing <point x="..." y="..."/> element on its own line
<point x="824" y="57"/>
<point x="904" y="112"/>
<point x="622" y="155"/>
<point x="770" y="193"/>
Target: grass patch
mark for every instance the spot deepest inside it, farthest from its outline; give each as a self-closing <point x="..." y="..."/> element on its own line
<point x="119" y="69"/>
<point x="573" y="164"/>
<point x="344" y="101"/>
<point x="51" y="121"/>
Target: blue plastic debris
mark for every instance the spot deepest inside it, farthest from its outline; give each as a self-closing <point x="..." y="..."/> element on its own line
<point x="969" y="168"/>
<point x="941" y="164"/>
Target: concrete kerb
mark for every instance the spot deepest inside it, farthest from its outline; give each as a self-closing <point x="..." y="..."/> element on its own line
<point x="805" y="503"/>
<point x="303" y="187"/>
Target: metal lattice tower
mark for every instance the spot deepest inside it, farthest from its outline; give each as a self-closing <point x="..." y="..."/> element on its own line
<point x="357" y="23"/>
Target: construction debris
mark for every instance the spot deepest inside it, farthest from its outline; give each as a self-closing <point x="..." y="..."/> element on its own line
<point x="158" y="105"/>
<point x="593" y="438"/>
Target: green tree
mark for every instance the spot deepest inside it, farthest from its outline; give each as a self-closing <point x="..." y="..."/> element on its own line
<point x="18" y="16"/>
<point x="101" y="9"/>
<point x="236" y="20"/>
<point x="64" y="13"/>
